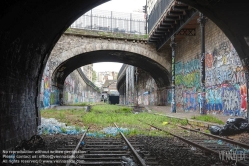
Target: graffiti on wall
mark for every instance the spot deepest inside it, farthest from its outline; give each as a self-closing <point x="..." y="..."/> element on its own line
<point x="169" y="96"/>
<point x="75" y="90"/>
<point x="187" y="85"/>
<point x="225" y="84"/>
<point x="45" y="91"/>
<point x="225" y="81"/>
<point x="54" y="97"/>
<point x="190" y="98"/>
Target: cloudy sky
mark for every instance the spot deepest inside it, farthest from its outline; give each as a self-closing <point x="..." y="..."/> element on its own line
<point x="128" y="6"/>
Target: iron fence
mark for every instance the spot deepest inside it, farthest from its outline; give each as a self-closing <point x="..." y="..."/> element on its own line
<point x="156" y="12"/>
<point x="111" y="21"/>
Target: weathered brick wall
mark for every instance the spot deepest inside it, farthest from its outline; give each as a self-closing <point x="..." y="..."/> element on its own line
<point x="225" y="82"/>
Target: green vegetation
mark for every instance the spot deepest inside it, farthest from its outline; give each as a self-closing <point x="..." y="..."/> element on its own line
<point x="207" y="131"/>
<point x="80" y="104"/>
<point x="101" y="116"/>
<point x="208" y="118"/>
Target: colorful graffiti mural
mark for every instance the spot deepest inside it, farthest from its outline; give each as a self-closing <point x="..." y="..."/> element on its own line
<point x="45" y="91"/>
<point x="75" y="90"/>
<point x="225" y="82"/>
<point x="187" y="85"/>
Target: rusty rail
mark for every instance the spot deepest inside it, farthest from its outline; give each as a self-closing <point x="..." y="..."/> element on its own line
<point x="190" y="142"/>
<point x="140" y="160"/>
<point x="76" y="148"/>
<point x="218" y="137"/>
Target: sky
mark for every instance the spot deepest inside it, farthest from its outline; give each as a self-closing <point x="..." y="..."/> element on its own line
<point x="127" y="6"/>
<point x="107" y="66"/>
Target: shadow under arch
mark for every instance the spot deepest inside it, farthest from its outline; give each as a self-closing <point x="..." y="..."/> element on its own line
<point x="157" y="71"/>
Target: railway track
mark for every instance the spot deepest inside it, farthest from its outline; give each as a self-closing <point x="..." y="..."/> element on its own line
<point x="227" y="150"/>
<point x="118" y="151"/>
<point x="191" y="147"/>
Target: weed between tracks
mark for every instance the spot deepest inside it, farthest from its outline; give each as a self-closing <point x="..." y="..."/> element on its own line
<point x="102" y="116"/>
<point x="208" y="118"/>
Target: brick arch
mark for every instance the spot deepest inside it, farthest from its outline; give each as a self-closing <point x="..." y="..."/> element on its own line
<point x="74" y="49"/>
<point x="156" y="70"/>
<point x="71" y="45"/>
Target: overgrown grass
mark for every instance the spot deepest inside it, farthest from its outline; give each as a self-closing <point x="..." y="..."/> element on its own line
<point x="80" y="104"/>
<point x="208" y="118"/>
<point x="102" y="116"/>
<point x="109" y="109"/>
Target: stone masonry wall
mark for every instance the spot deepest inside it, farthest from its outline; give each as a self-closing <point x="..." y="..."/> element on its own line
<point x="71" y="45"/>
<point x="75" y="89"/>
<point x="225" y="80"/>
<point x="148" y="92"/>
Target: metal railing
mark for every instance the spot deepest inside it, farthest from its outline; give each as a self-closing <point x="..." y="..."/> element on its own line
<point x="111" y="21"/>
<point x="157" y="12"/>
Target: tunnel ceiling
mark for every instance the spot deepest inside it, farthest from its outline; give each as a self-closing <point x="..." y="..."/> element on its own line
<point x="158" y="72"/>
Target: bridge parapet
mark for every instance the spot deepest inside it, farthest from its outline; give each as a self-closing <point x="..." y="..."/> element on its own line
<point x="108" y="35"/>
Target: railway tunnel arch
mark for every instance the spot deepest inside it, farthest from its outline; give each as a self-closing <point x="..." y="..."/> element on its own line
<point x="156" y="70"/>
<point x="30" y="31"/>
